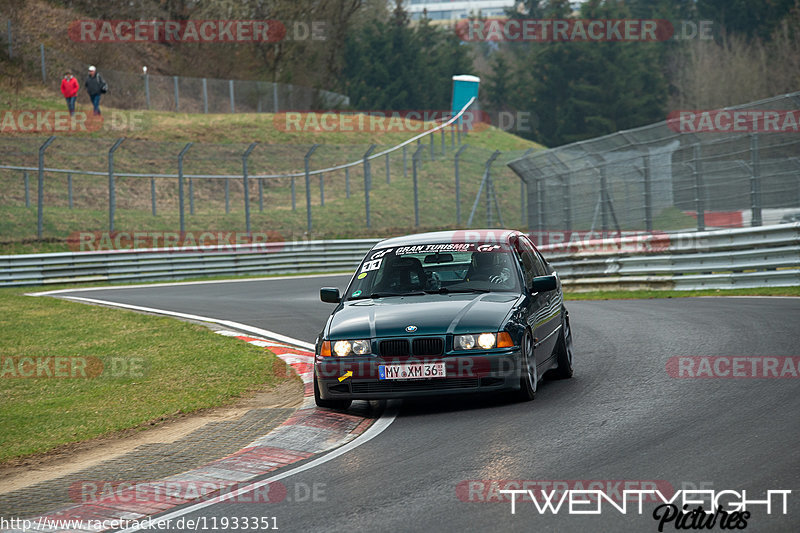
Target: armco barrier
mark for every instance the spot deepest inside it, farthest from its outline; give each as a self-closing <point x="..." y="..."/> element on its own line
<point x="736" y="258"/>
<point x="176" y="263"/>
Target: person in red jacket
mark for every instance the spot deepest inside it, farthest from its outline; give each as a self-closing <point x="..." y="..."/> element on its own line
<point x="69" y="88"/>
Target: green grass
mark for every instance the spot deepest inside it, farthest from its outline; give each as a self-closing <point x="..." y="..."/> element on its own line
<point x="220" y="140"/>
<point x="185" y="367"/>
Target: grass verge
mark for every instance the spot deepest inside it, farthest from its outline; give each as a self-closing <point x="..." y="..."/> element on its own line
<point x="170" y="368"/>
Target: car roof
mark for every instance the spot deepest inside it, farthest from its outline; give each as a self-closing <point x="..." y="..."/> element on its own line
<point x="464" y="235"/>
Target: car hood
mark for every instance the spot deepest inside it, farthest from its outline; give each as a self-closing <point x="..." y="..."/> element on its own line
<point x="432" y="314"/>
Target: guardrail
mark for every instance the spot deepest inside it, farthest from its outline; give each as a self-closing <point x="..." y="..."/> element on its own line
<point x="766" y="256"/>
<point x="738" y="258"/>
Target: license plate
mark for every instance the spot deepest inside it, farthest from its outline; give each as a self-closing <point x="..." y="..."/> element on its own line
<point x="412" y="371"/>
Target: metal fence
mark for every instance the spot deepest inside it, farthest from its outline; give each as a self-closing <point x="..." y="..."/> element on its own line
<point x="432" y="179"/>
<point x="170" y="93"/>
<point x="672" y="174"/>
<point x="766" y="256"/>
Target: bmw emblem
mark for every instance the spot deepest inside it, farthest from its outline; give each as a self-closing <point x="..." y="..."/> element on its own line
<point x="411" y="329"/>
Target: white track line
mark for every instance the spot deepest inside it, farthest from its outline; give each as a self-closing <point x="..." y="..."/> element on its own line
<point x="374" y="430"/>
<point x="227" y="323"/>
<point x="173" y="284"/>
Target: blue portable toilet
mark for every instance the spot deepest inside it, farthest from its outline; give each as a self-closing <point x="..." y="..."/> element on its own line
<point x="465" y="87"/>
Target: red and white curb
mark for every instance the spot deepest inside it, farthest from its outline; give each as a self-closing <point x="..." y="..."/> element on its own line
<point x="307" y="432"/>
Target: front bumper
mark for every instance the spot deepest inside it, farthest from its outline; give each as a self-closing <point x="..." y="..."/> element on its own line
<point x="476" y="372"/>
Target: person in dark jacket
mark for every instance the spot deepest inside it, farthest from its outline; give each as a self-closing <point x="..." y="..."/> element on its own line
<point x="69" y="88"/>
<point x="95" y="86"/>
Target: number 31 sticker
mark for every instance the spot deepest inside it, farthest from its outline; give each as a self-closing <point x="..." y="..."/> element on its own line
<point x="371" y="265"/>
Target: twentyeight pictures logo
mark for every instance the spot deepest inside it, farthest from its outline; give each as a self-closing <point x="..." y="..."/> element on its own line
<point x="194" y="31"/>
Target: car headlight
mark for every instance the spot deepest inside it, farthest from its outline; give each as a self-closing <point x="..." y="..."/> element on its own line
<point x="346" y="347"/>
<point x="480" y="340"/>
<point x="485" y="341"/>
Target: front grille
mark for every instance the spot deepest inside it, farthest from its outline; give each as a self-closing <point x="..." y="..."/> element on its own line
<point x="414" y="385"/>
<point x="428" y="346"/>
<point x="394" y="347"/>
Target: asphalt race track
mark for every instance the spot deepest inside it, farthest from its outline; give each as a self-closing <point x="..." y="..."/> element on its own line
<point x="622" y="417"/>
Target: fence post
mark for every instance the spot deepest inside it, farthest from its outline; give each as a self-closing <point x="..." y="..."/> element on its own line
<point x="755" y="181"/>
<point x="458" y="184"/>
<point x="405" y="161"/>
<point x="69" y="190"/>
<point x="260" y="195"/>
<point x="540" y="205"/>
<point x="415" y="160"/>
<point x="321" y="189"/>
<point x="432" y="140"/>
<point x="698" y="190"/>
<point x="112" y="193"/>
<point x="27" y="188"/>
<point x="648" y="195"/>
<point x="306" y="162"/>
<point x="177" y="95"/>
<point x="275" y="97"/>
<point x="367" y="179"/>
<point x="567" y="199"/>
<point x="443" y="143"/>
<point x="522" y="185"/>
<point x="452" y="136"/>
<point x="44" y="69"/>
<point x="227" y="196"/>
<point x="153" y="195"/>
<point x="347" y="181"/>
<point x="180" y="185"/>
<point x="230" y="90"/>
<point x="486" y="178"/>
<point x="245" y="155"/>
<point x="388" y="170"/>
<point x="40" y="199"/>
<point x="147" y="89"/>
<point x="603" y="199"/>
<point x="205" y="98"/>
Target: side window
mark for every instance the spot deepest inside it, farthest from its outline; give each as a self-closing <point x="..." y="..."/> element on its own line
<point x="531" y="259"/>
<point x="542" y="264"/>
<point x="528" y="260"/>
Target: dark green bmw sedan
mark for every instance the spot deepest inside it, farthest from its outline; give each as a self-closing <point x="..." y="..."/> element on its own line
<point x="449" y="312"/>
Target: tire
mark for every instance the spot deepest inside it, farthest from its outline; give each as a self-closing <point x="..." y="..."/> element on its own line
<point x="529" y="374"/>
<point x="340" y="405"/>
<point x="564" y="355"/>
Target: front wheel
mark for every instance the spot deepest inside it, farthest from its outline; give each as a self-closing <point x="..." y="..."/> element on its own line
<point x="564" y="355"/>
<point x="529" y="378"/>
<point x="340" y="405"/>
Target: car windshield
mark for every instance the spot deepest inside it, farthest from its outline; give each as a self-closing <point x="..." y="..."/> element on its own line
<point x="435" y="268"/>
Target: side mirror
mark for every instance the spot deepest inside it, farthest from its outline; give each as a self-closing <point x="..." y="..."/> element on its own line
<point x="330" y="295"/>
<point x="543" y="283"/>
